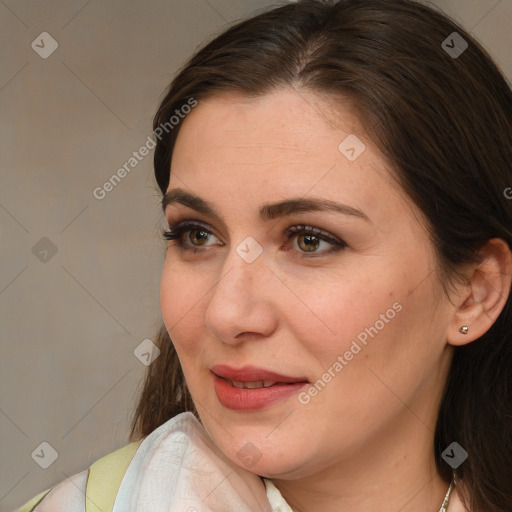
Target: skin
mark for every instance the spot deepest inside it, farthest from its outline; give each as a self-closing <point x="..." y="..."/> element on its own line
<point x="364" y="442"/>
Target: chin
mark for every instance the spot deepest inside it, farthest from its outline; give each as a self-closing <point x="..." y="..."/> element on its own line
<point x="282" y="470"/>
<point x="269" y="463"/>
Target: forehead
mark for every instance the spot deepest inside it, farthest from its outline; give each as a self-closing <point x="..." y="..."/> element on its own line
<point x="284" y="115"/>
<point x="279" y="128"/>
<point x="250" y="150"/>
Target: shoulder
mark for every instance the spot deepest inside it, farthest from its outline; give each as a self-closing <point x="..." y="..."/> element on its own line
<point x="159" y="470"/>
<point x="92" y="484"/>
<point x="68" y="495"/>
<point x="100" y="483"/>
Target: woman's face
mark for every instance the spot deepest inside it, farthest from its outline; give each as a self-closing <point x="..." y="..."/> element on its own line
<point x="352" y="312"/>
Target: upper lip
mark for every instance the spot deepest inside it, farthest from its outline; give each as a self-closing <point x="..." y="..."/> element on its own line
<point x="252" y="374"/>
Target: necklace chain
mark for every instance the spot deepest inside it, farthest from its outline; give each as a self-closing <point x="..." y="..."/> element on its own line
<point x="444" y="505"/>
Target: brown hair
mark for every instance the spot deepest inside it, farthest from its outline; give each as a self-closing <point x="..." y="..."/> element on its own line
<point x="446" y="123"/>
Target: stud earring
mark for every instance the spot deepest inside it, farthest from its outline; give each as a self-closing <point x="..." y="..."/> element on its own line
<point x="464" y="329"/>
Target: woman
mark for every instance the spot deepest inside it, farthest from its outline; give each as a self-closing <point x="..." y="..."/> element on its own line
<point x="337" y="279"/>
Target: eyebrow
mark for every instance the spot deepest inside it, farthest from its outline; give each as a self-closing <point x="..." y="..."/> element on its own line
<point x="267" y="211"/>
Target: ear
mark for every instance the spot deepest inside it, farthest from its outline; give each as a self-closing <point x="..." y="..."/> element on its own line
<point x="483" y="297"/>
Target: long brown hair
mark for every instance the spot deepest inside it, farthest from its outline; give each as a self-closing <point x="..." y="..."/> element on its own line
<point x="445" y="120"/>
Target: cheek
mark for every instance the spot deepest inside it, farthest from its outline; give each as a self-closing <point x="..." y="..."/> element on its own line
<point x="365" y="320"/>
<point x="181" y="295"/>
<point x="383" y="348"/>
<point x="180" y="302"/>
<point x="339" y="308"/>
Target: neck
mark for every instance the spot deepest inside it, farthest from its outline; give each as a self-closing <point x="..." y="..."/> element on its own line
<point x="394" y="472"/>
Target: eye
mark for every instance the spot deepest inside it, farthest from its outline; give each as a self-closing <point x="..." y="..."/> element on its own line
<point x="191" y="236"/>
<point x="309" y="239"/>
<point x="197" y="235"/>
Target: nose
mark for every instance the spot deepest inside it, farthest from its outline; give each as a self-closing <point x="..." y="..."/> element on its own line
<point x="241" y="306"/>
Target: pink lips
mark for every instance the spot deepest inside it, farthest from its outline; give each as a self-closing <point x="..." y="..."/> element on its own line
<point x="226" y="379"/>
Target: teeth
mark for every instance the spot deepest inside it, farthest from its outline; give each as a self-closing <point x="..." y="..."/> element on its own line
<point x="252" y="385"/>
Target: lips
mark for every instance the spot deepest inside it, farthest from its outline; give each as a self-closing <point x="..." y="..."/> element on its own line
<point x="252" y="374"/>
<point x="250" y="388"/>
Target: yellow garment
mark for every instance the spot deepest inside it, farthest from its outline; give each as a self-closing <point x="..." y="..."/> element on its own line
<point x="105" y="478"/>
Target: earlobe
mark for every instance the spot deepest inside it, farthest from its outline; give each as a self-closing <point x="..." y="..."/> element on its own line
<point x="485" y="294"/>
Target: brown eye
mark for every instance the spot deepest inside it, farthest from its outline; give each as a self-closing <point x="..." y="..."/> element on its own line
<point x="198" y="235"/>
<point x="190" y="236"/>
<point x="308" y="243"/>
<point x="311" y="241"/>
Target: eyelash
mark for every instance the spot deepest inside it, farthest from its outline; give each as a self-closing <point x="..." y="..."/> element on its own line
<point x="176" y="232"/>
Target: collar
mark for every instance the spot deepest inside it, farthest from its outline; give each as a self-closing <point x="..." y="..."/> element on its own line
<point x="179" y="468"/>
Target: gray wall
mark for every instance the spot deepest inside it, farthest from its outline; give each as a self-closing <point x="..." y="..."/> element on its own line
<point x="79" y="276"/>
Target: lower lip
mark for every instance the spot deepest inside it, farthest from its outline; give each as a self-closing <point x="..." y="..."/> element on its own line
<point x="253" y="399"/>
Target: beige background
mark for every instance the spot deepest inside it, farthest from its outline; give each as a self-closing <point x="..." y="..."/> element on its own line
<point x="69" y="325"/>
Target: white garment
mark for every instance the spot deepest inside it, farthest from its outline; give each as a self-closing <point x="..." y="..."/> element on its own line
<point x="178" y="468"/>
